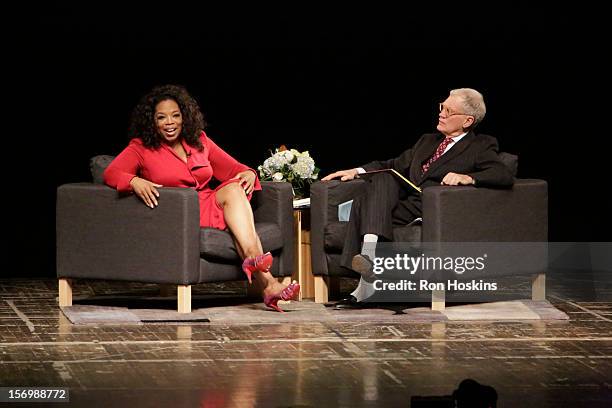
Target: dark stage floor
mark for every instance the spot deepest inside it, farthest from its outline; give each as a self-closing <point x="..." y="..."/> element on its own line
<point x="306" y="364"/>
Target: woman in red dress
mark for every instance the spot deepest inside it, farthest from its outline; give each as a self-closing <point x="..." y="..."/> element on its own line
<point x="169" y="148"/>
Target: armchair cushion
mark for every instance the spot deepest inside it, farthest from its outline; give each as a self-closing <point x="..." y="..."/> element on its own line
<point x="510" y="161"/>
<point x="468" y="214"/>
<point x="217" y="244"/>
<point x="97" y="165"/>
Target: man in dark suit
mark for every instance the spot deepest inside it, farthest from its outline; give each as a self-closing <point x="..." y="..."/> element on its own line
<point x="453" y="156"/>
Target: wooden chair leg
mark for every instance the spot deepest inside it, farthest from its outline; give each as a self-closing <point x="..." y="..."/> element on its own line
<point x="321" y="288"/>
<point x="65" y="292"/>
<point x="184" y="298"/>
<point x="538" y="287"/>
<point x="438" y="301"/>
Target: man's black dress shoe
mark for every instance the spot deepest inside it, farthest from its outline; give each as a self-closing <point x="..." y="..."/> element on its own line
<point x="351" y="302"/>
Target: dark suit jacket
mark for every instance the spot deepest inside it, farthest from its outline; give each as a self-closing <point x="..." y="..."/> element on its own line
<point x="474" y="155"/>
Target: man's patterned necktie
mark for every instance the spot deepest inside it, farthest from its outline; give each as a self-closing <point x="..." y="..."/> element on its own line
<point x="438" y="153"/>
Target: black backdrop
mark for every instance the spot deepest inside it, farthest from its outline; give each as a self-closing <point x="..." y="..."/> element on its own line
<point x="349" y="88"/>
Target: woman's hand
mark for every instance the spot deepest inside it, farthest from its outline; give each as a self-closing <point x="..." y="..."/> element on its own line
<point x="247" y="180"/>
<point x="146" y="190"/>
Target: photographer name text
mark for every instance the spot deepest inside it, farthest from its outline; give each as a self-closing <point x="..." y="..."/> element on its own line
<point x="423" y="284"/>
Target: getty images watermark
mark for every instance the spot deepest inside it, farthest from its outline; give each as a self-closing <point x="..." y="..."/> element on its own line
<point x="473" y="271"/>
<point x="413" y="264"/>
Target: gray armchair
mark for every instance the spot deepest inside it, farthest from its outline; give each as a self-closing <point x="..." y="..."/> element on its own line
<point x="102" y="235"/>
<point x="450" y="214"/>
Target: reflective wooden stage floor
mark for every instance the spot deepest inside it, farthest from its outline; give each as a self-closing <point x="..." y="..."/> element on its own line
<point x="318" y="364"/>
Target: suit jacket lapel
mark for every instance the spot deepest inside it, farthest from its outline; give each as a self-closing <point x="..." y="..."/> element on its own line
<point x="423" y="155"/>
<point x="431" y="149"/>
<point x="455" y="151"/>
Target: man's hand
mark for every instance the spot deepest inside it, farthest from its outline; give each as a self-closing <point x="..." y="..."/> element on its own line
<point x="344" y="175"/>
<point x="146" y="190"/>
<point x="247" y="180"/>
<point x="455" y="179"/>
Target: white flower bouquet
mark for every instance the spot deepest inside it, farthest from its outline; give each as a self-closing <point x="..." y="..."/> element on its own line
<point x="297" y="168"/>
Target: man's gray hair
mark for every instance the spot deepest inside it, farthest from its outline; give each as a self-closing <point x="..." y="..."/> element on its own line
<point x="473" y="103"/>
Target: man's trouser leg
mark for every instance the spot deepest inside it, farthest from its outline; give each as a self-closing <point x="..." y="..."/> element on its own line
<point x="371" y="213"/>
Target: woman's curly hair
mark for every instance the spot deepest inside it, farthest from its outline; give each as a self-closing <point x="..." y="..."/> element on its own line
<point x="142" y="121"/>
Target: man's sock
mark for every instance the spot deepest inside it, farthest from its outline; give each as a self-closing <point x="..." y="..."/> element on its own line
<point x="369" y="245"/>
<point x="363" y="291"/>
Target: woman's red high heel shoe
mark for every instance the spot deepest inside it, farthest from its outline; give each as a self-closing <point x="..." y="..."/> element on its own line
<point x="291" y="292"/>
<point x="261" y="263"/>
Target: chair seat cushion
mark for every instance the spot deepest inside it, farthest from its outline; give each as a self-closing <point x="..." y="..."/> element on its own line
<point x="408" y="233"/>
<point x="333" y="236"/>
<point x="219" y="245"/>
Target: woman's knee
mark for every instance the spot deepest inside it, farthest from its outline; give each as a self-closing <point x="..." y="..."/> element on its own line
<point x="229" y="192"/>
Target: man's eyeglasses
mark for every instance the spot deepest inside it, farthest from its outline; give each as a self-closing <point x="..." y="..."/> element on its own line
<point x="447" y="113"/>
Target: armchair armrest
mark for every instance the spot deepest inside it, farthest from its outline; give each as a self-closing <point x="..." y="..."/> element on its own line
<point x="274" y="203"/>
<point x="324" y="200"/>
<point x="102" y="235"/>
<point x="468" y="214"/>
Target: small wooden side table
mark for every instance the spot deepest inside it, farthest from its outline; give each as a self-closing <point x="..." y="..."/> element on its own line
<point x="302" y="272"/>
